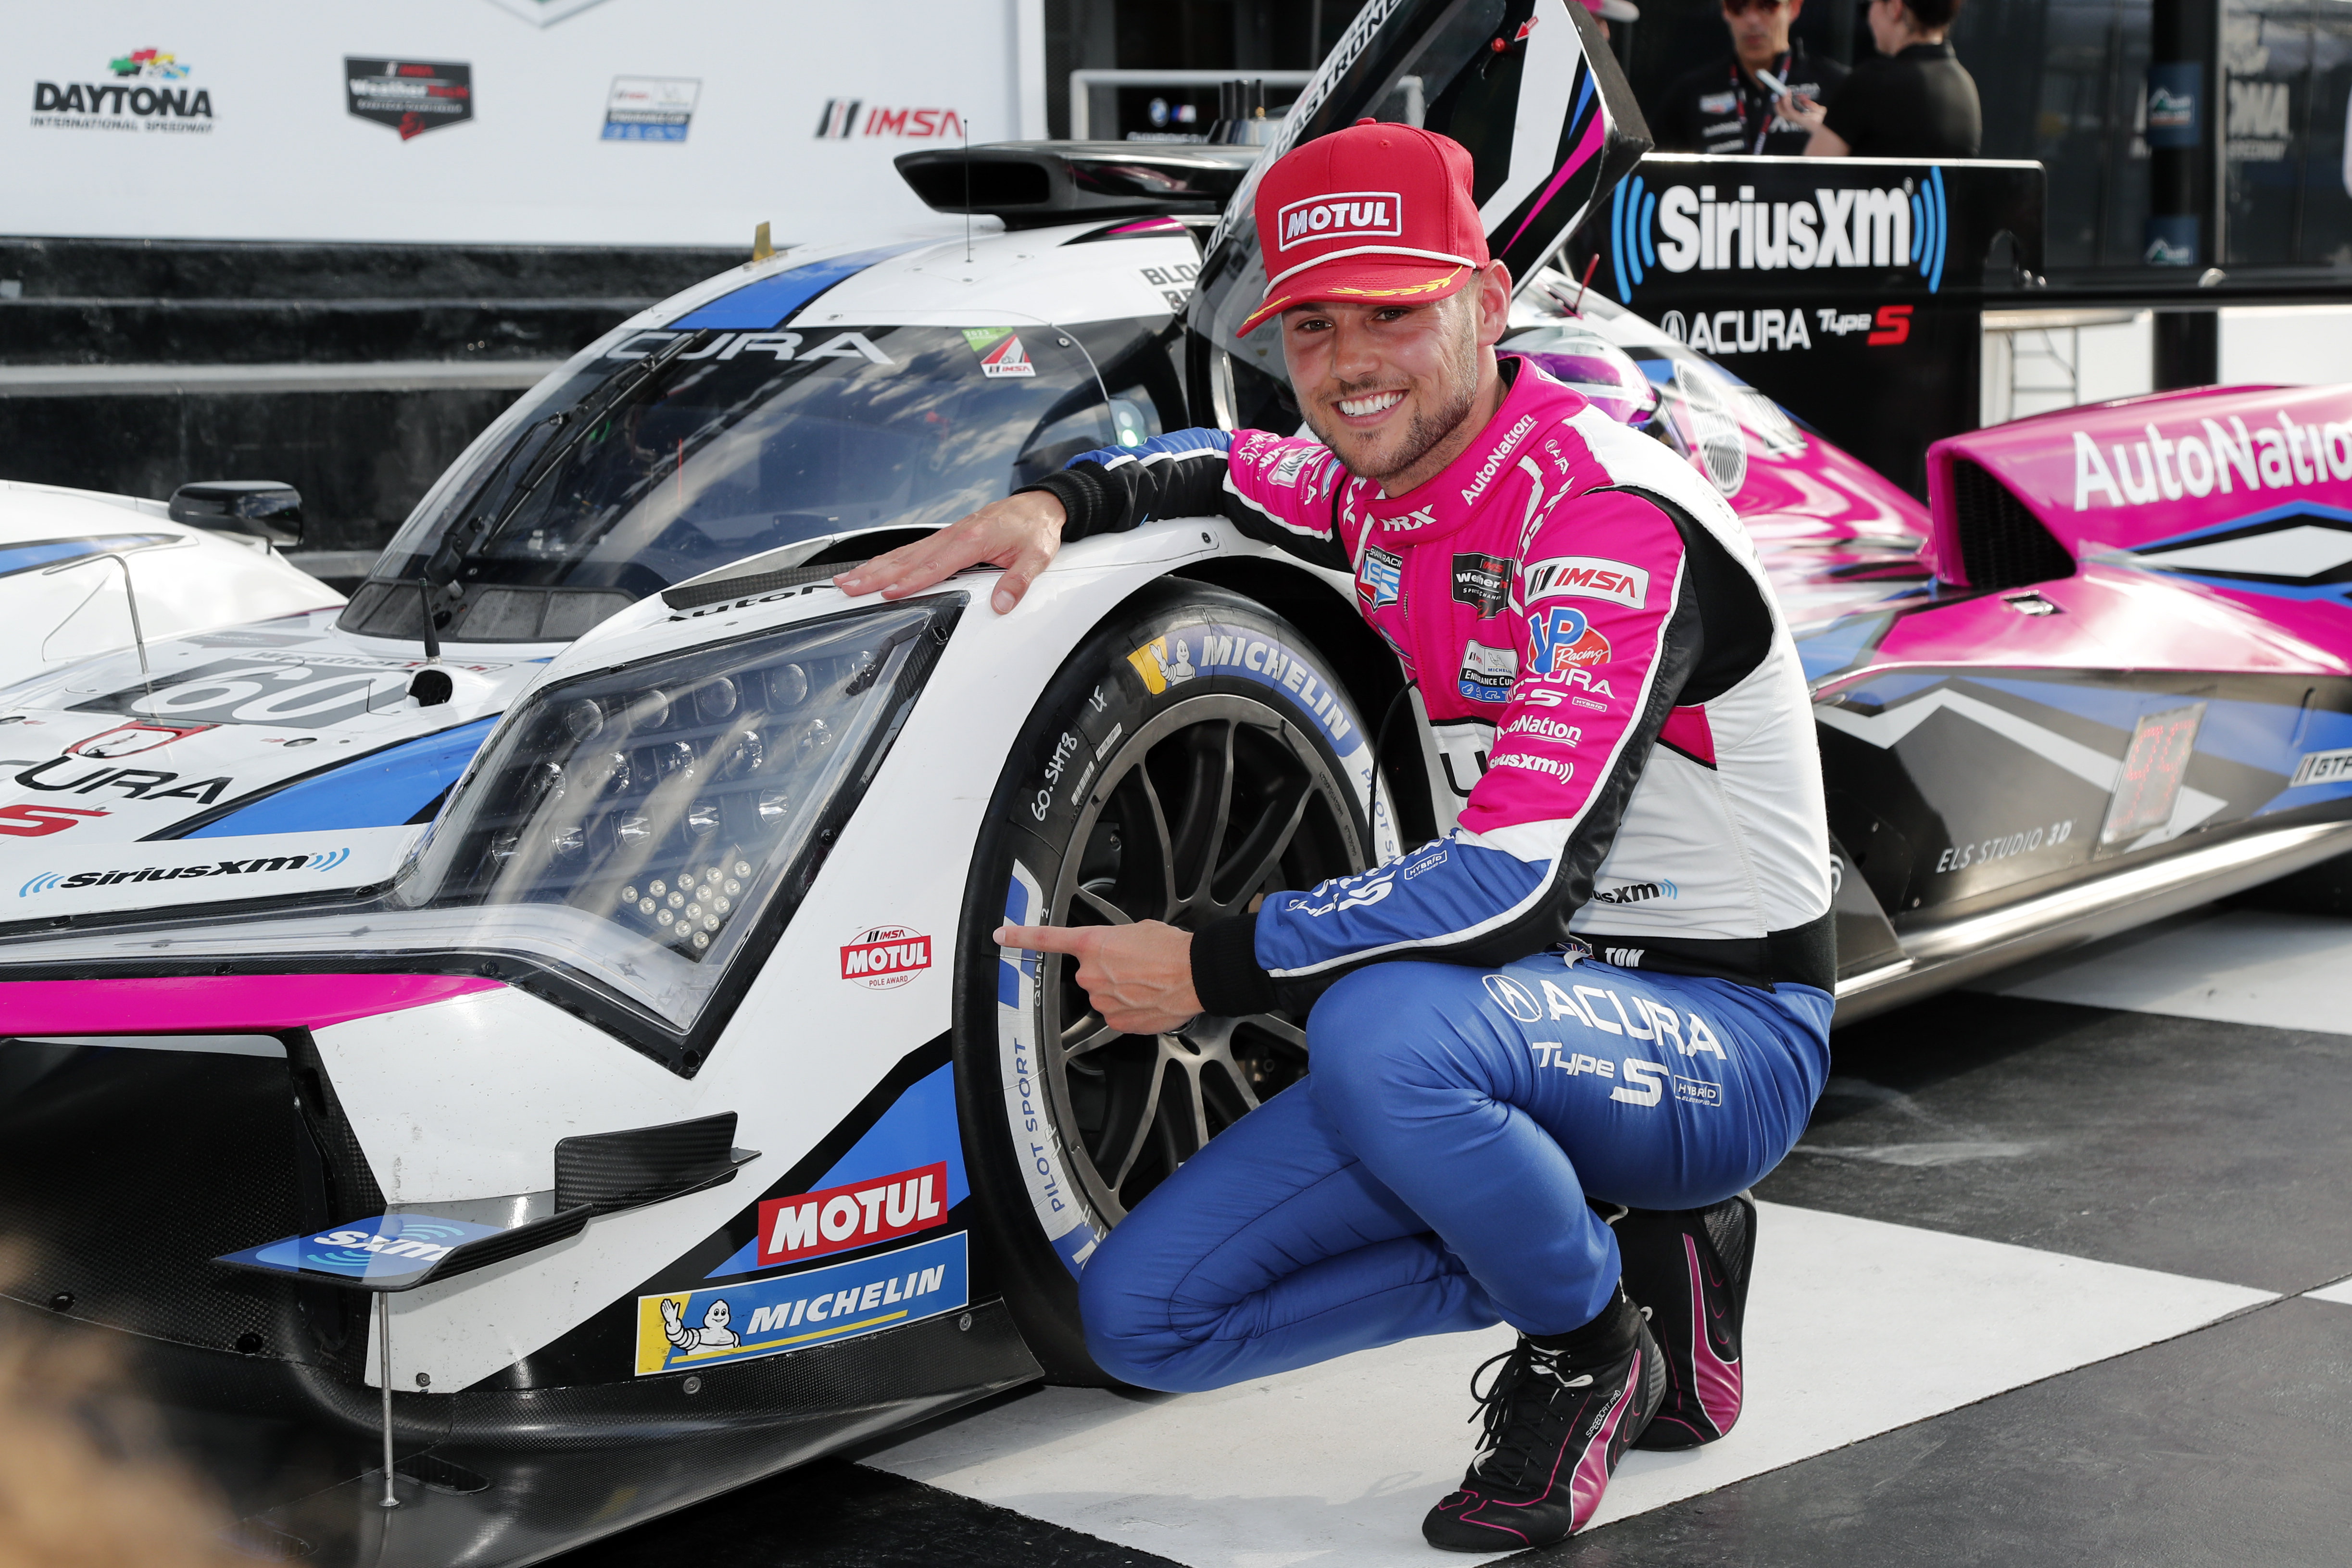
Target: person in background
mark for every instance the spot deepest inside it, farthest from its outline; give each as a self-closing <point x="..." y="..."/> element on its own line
<point x="1722" y="107"/>
<point x="1914" y="100"/>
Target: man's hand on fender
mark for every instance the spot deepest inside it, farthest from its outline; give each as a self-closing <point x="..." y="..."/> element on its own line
<point x="1020" y="534"/>
<point x="1139" y="977"/>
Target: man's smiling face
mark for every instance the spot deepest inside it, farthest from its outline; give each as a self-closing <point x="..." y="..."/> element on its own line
<point x="1389" y="388"/>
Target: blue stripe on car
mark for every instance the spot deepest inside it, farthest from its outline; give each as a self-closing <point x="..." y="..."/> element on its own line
<point x="765" y="304"/>
<point x="48" y="552"/>
<point x="381" y="790"/>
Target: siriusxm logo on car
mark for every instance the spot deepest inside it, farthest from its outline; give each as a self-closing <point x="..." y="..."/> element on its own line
<point x="385" y="1248"/>
<point x="50" y="881"/>
<point x="1682" y="228"/>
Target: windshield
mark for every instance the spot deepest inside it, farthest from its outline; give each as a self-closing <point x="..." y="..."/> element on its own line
<point x="675" y="453"/>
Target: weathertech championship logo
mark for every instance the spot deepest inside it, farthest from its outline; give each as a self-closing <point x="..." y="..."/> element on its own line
<point x="147" y="94"/>
<point x="885" y="958"/>
<point x="50" y="881"/>
<point x="412" y="97"/>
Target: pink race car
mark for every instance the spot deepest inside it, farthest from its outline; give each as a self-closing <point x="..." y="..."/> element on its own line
<point x="2105" y="674"/>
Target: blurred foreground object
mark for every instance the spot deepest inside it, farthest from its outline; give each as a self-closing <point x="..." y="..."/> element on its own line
<point x="81" y="1483"/>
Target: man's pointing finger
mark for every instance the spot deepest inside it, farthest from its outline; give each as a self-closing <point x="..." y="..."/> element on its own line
<point x="1044" y="938"/>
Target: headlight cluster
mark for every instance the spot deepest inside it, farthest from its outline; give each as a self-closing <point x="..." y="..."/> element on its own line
<point x="669" y="798"/>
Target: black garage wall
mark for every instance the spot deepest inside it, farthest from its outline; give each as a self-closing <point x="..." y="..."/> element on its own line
<point x="355" y="373"/>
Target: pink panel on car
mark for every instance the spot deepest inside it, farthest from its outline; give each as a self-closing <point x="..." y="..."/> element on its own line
<point x="2131" y="472"/>
<point x="2108" y="618"/>
<point x="198" y="1004"/>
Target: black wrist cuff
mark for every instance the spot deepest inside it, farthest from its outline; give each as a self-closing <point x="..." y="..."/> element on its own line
<point x="1082" y="496"/>
<point x="1225" y="972"/>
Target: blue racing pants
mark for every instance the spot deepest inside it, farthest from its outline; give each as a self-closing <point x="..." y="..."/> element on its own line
<point x="1430" y="1175"/>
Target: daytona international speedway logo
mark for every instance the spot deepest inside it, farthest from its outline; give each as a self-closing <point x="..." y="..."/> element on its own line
<point x="259" y="865"/>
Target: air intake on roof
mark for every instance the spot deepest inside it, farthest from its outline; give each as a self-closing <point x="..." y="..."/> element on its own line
<point x="2002" y="545"/>
<point x="1030" y="183"/>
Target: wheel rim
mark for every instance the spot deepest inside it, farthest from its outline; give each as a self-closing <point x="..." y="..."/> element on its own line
<point x="1215" y="801"/>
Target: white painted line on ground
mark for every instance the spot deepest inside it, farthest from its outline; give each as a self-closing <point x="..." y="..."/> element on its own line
<point x="2340" y="1291"/>
<point x="1856" y="1327"/>
<point x="2285" y="971"/>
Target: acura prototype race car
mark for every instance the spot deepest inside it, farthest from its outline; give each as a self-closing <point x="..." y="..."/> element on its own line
<point x="528" y="1044"/>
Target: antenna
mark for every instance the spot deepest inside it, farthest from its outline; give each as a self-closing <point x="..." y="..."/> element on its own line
<point x="964" y="130"/>
<point x="138" y="634"/>
<point x="431" y="632"/>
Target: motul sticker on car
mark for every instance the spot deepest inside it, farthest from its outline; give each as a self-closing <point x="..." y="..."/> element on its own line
<point x="857" y="1213"/>
<point x="885" y="958"/>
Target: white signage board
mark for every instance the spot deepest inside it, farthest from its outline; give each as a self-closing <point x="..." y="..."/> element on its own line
<point x="502" y="122"/>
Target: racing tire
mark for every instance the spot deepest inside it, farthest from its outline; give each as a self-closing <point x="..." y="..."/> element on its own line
<point x="1195" y="751"/>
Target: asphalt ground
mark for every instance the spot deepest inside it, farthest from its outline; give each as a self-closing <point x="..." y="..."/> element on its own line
<point x="2062" y="1272"/>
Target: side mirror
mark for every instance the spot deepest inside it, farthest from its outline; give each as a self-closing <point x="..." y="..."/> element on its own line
<point x="253" y="508"/>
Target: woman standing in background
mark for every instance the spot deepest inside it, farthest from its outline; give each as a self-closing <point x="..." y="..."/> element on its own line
<point x="1913" y="100"/>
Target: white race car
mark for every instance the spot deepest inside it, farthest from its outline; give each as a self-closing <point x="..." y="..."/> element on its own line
<point x="83" y="573"/>
<point x="543" y="1015"/>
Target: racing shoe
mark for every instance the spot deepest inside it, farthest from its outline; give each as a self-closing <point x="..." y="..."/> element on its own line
<point x="1689" y="1269"/>
<point x="1556" y="1422"/>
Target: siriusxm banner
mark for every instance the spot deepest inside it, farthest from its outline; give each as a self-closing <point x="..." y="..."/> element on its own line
<point x="1685" y="229"/>
<point x="1847" y="289"/>
<point x="1680" y="227"/>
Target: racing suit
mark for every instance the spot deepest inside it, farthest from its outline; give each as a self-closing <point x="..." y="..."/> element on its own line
<point x="1612" y="979"/>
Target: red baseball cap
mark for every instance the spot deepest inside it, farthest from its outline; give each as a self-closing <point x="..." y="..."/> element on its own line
<point x="1375" y="213"/>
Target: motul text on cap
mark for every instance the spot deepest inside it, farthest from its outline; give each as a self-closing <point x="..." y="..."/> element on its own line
<point x="1377" y="213"/>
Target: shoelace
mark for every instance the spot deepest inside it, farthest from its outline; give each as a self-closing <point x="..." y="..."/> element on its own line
<point x="1523" y="1414"/>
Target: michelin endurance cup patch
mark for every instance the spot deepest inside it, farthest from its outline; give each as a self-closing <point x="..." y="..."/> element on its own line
<point x="681" y="1330"/>
<point x="1036" y="1143"/>
<point x="1488" y="674"/>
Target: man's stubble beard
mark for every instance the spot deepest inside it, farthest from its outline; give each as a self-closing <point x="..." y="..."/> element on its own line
<point x="1429" y="426"/>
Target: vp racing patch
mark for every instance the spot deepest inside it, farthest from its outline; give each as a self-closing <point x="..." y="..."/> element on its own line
<point x="1380" y="582"/>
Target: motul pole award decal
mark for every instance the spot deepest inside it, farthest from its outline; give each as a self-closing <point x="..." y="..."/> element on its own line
<point x="885" y="958"/>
